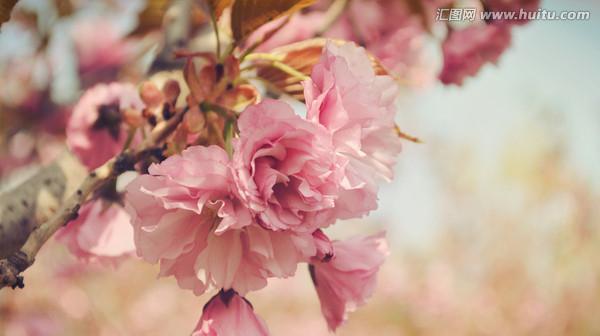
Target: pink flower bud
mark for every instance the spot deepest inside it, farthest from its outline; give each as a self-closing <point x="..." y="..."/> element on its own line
<point x="228" y="314"/>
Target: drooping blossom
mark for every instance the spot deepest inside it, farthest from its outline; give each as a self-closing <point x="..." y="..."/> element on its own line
<point x="357" y="107"/>
<point x="228" y="314"/>
<point x="101" y="232"/>
<point x="102" y="59"/>
<point x="349" y="278"/>
<point x="467" y="50"/>
<point x="96" y="131"/>
<point x="285" y="169"/>
<point x="186" y="215"/>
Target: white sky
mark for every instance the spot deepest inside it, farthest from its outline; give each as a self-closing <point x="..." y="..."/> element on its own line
<point x="551" y="71"/>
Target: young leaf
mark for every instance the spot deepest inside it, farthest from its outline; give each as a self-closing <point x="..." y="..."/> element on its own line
<point x="248" y="15"/>
<point x="300" y="56"/>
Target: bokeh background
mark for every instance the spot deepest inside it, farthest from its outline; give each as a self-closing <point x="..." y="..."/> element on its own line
<point x="493" y="221"/>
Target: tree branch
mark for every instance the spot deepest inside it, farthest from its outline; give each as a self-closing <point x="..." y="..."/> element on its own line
<point x="15" y="264"/>
<point x="33" y="202"/>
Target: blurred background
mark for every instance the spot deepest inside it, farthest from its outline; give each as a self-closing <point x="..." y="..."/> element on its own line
<point x="493" y="221"/>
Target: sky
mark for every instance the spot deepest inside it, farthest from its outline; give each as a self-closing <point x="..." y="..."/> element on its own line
<point x="550" y="75"/>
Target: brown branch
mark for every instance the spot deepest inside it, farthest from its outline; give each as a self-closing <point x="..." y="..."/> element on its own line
<point x="15" y="264"/>
<point x="32" y="202"/>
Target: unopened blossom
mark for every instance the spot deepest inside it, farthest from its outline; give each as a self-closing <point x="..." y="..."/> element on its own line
<point x="187" y="216"/>
<point x="229" y="314"/>
<point x="468" y="49"/>
<point x="349" y="278"/>
<point x="101" y="232"/>
<point x="357" y="107"/>
<point x="96" y="131"/>
<point x="285" y="168"/>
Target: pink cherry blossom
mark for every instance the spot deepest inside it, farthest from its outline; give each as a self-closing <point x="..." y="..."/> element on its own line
<point x="349" y="278"/>
<point x="528" y="6"/>
<point x="95" y="131"/>
<point x="101" y="48"/>
<point x="228" y="314"/>
<point x="357" y="107"/>
<point x="467" y="50"/>
<point x="100" y="233"/>
<point x="186" y="215"/>
<point x="397" y="36"/>
<point x="299" y="27"/>
<point x="387" y="28"/>
<point x="285" y="168"/>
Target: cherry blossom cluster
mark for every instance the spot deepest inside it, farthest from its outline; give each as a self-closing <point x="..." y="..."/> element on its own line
<point x="405" y="37"/>
<point x="229" y="221"/>
<point x="243" y="188"/>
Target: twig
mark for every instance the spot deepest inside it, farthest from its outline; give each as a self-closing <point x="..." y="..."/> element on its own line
<point x="406" y="136"/>
<point x="333" y="14"/>
<point x="215" y="25"/>
<point x="14" y="265"/>
<point x="277" y="62"/>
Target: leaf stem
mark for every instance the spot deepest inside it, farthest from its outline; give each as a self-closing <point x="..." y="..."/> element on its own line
<point x="215" y="25"/>
<point x="276" y="61"/>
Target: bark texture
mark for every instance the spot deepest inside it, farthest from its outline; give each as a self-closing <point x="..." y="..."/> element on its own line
<point x="33" y="202"/>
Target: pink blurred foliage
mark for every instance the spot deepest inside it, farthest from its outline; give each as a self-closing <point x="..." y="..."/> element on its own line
<point x="528" y="6"/>
<point x="467" y="50"/>
<point x="102" y="59"/>
<point x="47" y="58"/>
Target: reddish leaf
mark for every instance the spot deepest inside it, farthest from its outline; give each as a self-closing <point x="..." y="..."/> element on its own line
<point x="248" y="15"/>
<point x="301" y="56"/>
